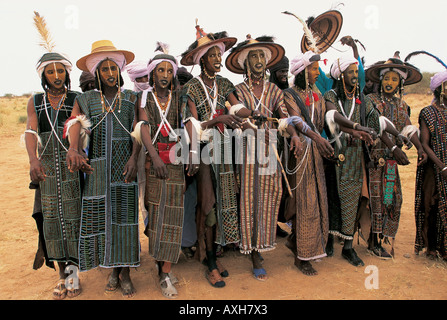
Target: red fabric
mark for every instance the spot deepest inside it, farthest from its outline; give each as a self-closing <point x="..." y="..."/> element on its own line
<point x="163" y="151"/>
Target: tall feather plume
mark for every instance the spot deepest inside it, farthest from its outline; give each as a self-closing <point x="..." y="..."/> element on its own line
<point x="46" y="39"/>
<point x="309" y="35"/>
<point x="162" y="47"/>
<point x="415" y="53"/>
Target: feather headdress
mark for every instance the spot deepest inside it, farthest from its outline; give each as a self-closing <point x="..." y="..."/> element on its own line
<point x="162" y="47"/>
<point x="46" y="39"/>
<point x="309" y="34"/>
<point x="415" y="53"/>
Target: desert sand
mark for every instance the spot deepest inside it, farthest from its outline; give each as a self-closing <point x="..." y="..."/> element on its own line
<point x="408" y="276"/>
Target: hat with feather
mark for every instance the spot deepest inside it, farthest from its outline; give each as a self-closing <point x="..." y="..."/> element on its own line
<point x="48" y="44"/>
<point x="205" y="41"/>
<point x="408" y="73"/>
<point x="162" y="54"/>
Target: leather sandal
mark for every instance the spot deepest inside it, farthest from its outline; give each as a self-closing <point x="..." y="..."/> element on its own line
<point x="214" y="278"/>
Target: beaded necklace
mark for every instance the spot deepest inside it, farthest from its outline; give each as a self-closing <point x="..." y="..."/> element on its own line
<point x="56" y="102"/>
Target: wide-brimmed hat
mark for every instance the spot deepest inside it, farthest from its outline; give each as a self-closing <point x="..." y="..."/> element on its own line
<point x="234" y="63"/>
<point x="206" y="40"/>
<point x="409" y="73"/>
<point x="325" y="29"/>
<point x="101" y="47"/>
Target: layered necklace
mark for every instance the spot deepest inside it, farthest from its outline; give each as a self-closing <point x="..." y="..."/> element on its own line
<point x="56" y="101"/>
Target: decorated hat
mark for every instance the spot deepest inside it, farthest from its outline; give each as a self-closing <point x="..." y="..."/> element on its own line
<point x="162" y="54"/>
<point x="409" y="73"/>
<point x="50" y="56"/>
<point x="205" y="41"/>
<point x="236" y="58"/>
<point x="101" y="50"/>
<point x="325" y="29"/>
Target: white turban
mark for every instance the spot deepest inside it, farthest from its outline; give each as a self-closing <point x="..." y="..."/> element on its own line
<point x="136" y="69"/>
<point x="199" y="54"/>
<point x="244" y="53"/>
<point x="341" y="64"/>
<point x="438" y="79"/>
<point x="95" y="59"/>
<point x="303" y="60"/>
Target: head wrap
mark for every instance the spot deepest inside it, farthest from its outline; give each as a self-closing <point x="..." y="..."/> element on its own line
<point x="92" y="62"/>
<point x="136" y="69"/>
<point x="200" y="53"/>
<point x="244" y="53"/>
<point x="437" y="80"/>
<point x="162" y="58"/>
<point x="300" y="62"/>
<point x="52" y="57"/>
<point x="341" y="64"/>
<point x="402" y="73"/>
<point x="283" y="64"/>
<point x="183" y="75"/>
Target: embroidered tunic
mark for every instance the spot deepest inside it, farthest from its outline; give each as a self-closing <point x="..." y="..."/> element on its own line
<point x="385" y="218"/>
<point x="260" y="183"/>
<point x="109" y="225"/>
<point x="351" y="173"/>
<point x="220" y="172"/>
<point x="164" y="198"/>
<point x="60" y="193"/>
<point x="431" y="187"/>
<point x="309" y="206"/>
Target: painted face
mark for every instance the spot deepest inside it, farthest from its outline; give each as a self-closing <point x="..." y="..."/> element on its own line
<point x="163" y="74"/>
<point x="109" y="73"/>
<point x="256" y="61"/>
<point x="282" y="75"/>
<point x="390" y="82"/>
<point x="212" y="60"/>
<point x="351" y="75"/>
<point x="313" y="71"/>
<point x="55" y="74"/>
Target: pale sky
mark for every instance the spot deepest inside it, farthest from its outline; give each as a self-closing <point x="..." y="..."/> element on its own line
<point x="383" y="26"/>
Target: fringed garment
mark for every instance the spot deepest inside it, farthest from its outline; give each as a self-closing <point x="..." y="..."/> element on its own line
<point x="385" y="187"/>
<point x="60" y="193"/>
<point x="350" y="174"/>
<point x="216" y="183"/>
<point x="109" y="226"/>
<point x="431" y="187"/>
<point x="260" y="181"/>
<point x="309" y="206"/>
<point x="164" y="198"/>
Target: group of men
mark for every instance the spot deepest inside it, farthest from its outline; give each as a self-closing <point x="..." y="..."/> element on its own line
<point x="314" y="152"/>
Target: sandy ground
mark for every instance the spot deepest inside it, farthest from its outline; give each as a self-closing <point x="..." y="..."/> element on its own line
<point x="408" y="276"/>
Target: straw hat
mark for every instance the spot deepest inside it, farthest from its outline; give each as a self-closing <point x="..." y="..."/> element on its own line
<point x="277" y="52"/>
<point x="102" y="46"/>
<point x="413" y="75"/>
<point x="205" y="39"/>
<point x="325" y="28"/>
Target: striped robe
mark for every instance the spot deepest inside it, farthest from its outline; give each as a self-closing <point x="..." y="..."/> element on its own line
<point x="109" y="223"/>
<point x="309" y="207"/>
<point x="260" y="184"/>
<point x="164" y="198"/>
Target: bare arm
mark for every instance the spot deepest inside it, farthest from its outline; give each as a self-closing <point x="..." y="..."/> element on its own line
<point x="37" y="172"/>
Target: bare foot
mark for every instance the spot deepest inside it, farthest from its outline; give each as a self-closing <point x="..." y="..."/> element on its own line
<point x="305" y="267"/>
